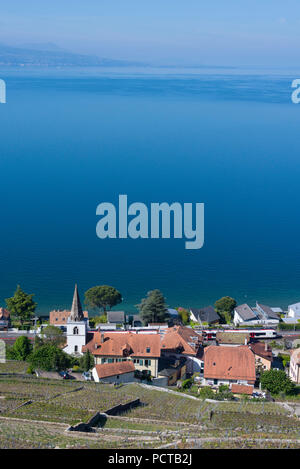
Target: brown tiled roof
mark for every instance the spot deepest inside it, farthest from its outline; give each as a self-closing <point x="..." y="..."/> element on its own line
<point x="259" y="349"/>
<point x="229" y="363"/>
<point x="122" y="344"/>
<point x="112" y="369"/>
<point x="61" y="317"/>
<point x="181" y="337"/>
<point x="4" y="313"/>
<point x="241" y="389"/>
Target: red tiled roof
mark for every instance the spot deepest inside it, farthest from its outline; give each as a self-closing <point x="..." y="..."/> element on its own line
<point x="4" y="313"/>
<point x="229" y="363"/>
<point x="60" y="317"/>
<point x="112" y="369"/>
<point x="181" y="337"/>
<point x="258" y="348"/>
<point x="242" y="389"/>
<point x="122" y="344"/>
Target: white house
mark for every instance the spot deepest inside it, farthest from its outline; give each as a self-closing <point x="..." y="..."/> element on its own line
<point x="76" y="327"/>
<point x="261" y="314"/>
<point x="294" y="371"/>
<point x="121" y="372"/>
<point x="294" y="311"/>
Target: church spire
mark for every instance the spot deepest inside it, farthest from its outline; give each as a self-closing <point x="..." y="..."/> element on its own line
<point x="76" y="311"/>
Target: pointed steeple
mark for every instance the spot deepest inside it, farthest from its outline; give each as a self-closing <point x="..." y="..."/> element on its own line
<point x="76" y="311"/>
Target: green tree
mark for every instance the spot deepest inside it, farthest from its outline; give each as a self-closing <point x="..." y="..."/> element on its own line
<point x="22" y="348"/>
<point x="102" y="297"/>
<point x="153" y="308"/>
<point x="53" y="335"/>
<point x="87" y="361"/>
<point x="21" y="305"/>
<point x="49" y="357"/>
<point x="184" y="315"/>
<point x="276" y="381"/>
<point x="225" y="306"/>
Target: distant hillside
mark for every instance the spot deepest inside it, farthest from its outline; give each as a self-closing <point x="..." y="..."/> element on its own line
<point x="16" y="56"/>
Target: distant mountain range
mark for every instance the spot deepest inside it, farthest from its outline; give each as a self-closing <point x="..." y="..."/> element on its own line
<point x="53" y="56"/>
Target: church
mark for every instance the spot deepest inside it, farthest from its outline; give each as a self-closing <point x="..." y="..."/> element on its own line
<point x="76" y="326"/>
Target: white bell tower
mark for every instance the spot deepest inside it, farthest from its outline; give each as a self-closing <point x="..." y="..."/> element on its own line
<point x="76" y="327"/>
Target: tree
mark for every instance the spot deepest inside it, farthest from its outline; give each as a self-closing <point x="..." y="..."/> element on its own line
<point x="184" y="315"/>
<point x="153" y="308"/>
<point x="276" y="381"/>
<point x="102" y="296"/>
<point x="21" y="305"/>
<point x="53" y="335"/>
<point x="87" y="361"/>
<point x="21" y="348"/>
<point x="49" y="357"/>
<point x="225" y="306"/>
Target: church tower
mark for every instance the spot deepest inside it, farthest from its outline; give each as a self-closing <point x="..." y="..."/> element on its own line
<point x="76" y="327"/>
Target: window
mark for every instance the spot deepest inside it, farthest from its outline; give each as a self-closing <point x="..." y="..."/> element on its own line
<point x="148" y="349"/>
<point x="147" y="362"/>
<point x="75" y="330"/>
<point x="141" y="362"/>
<point x="76" y="348"/>
<point x="111" y="360"/>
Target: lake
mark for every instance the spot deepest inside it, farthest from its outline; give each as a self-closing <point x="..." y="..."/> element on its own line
<point x="71" y="139"/>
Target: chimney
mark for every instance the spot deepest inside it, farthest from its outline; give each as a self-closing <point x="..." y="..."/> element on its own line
<point x="246" y="341"/>
<point x="266" y="347"/>
<point x="102" y="338"/>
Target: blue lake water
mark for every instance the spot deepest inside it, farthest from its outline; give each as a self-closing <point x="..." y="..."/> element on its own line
<point x="72" y="139"/>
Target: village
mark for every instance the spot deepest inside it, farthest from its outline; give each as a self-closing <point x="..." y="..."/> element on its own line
<point x="253" y="357"/>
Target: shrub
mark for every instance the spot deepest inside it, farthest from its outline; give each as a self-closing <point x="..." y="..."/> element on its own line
<point x="206" y="393"/>
<point x="187" y="383"/>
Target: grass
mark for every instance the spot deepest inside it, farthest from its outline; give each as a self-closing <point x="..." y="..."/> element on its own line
<point x="70" y="402"/>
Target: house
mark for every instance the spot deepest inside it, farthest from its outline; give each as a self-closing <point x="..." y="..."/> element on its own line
<point x="294" y="371"/>
<point x="114" y="347"/>
<point x="4" y="319"/>
<point x="294" y="311"/>
<point x="261" y="314"/>
<point x="204" y="315"/>
<point x="229" y="365"/>
<point x="122" y="372"/>
<point x="183" y="341"/>
<point x="262" y="354"/>
<point x="244" y="314"/>
<point x="116" y="317"/>
<point x="172" y="369"/>
<point x="232" y="338"/>
<point x="267" y="314"/>
<point x="60" y="318"/>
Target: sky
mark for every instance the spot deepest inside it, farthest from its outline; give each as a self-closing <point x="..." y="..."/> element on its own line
<point x="200" y="32"/>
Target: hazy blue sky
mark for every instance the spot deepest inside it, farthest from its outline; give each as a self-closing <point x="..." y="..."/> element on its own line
<point x="231" y="32"/>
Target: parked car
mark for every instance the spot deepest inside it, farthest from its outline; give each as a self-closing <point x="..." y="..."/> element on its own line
<point x="87" y="376"/>
<point x="64" y="374"/>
